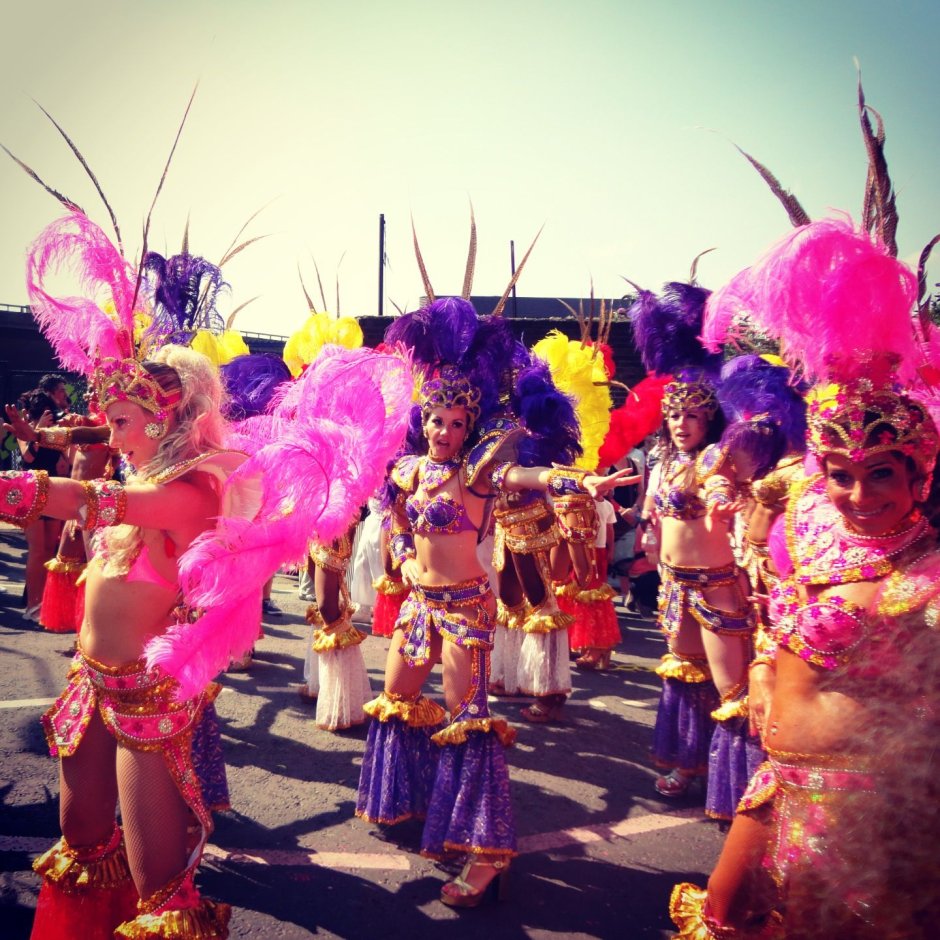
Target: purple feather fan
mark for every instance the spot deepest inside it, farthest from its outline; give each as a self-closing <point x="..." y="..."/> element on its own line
<point x="184" y="288"/>
<point x="753" y="388"/>
<point x="250" y="381"/>
<point x="666" y="329"/>
<point x="549" y="417"/>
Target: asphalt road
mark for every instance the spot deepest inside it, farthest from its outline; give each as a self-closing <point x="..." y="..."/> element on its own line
<point x="599" y="850"/>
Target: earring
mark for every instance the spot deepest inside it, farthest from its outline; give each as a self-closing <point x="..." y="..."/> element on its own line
<point x="154" y="430"/>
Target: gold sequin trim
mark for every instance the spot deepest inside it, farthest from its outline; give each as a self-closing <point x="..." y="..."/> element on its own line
<point x="456" y="732"/>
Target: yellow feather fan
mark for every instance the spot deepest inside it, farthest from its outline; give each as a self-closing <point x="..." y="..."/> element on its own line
<point x="579" y="373"/>
<point x="321" y="328"/>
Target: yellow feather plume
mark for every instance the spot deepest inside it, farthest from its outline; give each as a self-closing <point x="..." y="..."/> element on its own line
<point x="221" y="349"/>
<point x="321" y="328"/>
<point x="581" y="375"/>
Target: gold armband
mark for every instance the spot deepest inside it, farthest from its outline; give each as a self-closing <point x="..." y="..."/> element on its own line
<point x="105" y="504"/>
<point x="55" y="438"/>
<point x="566" y="481"/>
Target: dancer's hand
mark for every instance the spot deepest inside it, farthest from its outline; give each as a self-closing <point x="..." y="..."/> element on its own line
<point x="410" y="571"/>
<point x="722" y="513"/>
<point x="597" y="485"/>
<point x="17" y="425"/>
<point x="760" y="691"/>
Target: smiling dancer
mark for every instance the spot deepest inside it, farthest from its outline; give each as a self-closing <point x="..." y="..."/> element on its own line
<point x="831" y="839"/>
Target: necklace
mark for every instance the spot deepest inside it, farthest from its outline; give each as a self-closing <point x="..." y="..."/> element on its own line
<point x="435" y="473"/>
<point x="825" y="552"/>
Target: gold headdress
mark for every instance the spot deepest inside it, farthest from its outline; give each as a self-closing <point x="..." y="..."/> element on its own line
<point x="451" y="389"/>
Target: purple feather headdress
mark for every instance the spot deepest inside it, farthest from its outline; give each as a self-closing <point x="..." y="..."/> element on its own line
<point x="666" y="331"/>
<point x="250" y="382"/>
<point x="184" y="289"/>
<point x="765" y="409"/>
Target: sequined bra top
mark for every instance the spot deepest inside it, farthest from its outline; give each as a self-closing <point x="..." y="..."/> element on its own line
<point x="675" y="501"/>
<point x="824" y="632"/>
<point x="436" y="515"/>
<point x="440" y="513"/>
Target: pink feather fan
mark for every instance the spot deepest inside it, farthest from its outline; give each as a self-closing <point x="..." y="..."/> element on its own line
<point x="830" y="294"/>
<point x="100" y="322"/>
<point x="319" y="454"/>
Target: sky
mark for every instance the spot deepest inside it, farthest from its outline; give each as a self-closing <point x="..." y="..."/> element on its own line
<point x="608" y="125"/>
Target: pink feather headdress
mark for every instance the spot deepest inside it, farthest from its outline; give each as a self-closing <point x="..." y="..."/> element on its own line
<point x="316" y="457"/>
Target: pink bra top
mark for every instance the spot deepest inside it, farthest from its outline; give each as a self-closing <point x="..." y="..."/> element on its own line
<point x="143" y="570"/>
<point x="440" y="514"/>
<point x="825" y="632"/>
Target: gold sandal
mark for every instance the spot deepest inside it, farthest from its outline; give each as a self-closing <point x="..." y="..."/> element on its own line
<point x="469" y="896"/>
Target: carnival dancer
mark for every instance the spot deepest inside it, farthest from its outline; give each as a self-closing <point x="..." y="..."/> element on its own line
<point x="535" y="657"/>
<point x="766" y="443"/>
<point x="703" y="609"/>
<point x="63" y="594"/>
<point x="390" y="589"/>
<point x="580" y="372"/>
<point x="365" y="566"/>
<point x="416" y="763"/>
<point x="177" y="531"/>
<point x="342" y="682"/>
<point x="849" y="619"/>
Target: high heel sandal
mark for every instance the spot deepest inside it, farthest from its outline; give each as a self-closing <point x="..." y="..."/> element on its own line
<point x="544" y="709"/>
<point x="675" y="784"/>
<point x="469" y="896"/>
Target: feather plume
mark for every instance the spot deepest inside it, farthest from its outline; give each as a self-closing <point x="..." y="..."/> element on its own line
<point x="638" y="417"/>
<point x="471" y="258"/>
<point x="317" y="456"/>
<point x="29" y="171"/>
<point x="98" y="322"/>
<point x="795" y="212"/>
<point x="577" y="374"/>
<point x="89" y="171"/>
<point x="498" y="309"/>
<point x="666" y="329"/>
<point x="830" y="295"/>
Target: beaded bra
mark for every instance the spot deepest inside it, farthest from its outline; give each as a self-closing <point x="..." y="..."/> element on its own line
<point x="441" y="513"/>
<point x="674" y="501"/>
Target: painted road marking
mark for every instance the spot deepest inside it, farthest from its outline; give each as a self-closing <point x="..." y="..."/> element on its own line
<point x="27" y="703"/>
<point x="399" y="861"/>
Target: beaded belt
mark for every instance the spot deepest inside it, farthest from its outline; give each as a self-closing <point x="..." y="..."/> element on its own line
<point x="475" y="591"/>
<point x="702" y="577"/>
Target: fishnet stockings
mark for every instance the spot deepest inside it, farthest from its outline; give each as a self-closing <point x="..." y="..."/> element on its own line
<point x="154" y="814"/>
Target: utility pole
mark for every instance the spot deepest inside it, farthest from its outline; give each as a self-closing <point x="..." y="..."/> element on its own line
<point x="381" y="262"/>
<point x="512" y="265"/>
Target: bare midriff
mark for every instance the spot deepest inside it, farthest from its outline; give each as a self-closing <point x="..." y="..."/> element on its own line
<point x="813" y="711"/>
<point x="448" y="559"/>
<point x="807" y="715"/>
<point x="687" y="543"/>
<point x="121" y="616"/>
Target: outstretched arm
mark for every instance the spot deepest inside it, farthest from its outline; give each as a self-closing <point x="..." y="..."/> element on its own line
<point x="27" y="495"/>
<point x="561" y="481"/>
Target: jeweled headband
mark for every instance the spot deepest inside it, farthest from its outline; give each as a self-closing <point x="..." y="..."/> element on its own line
<point x="451" y="389"/>
<point x="844" y="419"/>
<point x="116" y="380"/>
<point x="689" y="396"/>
